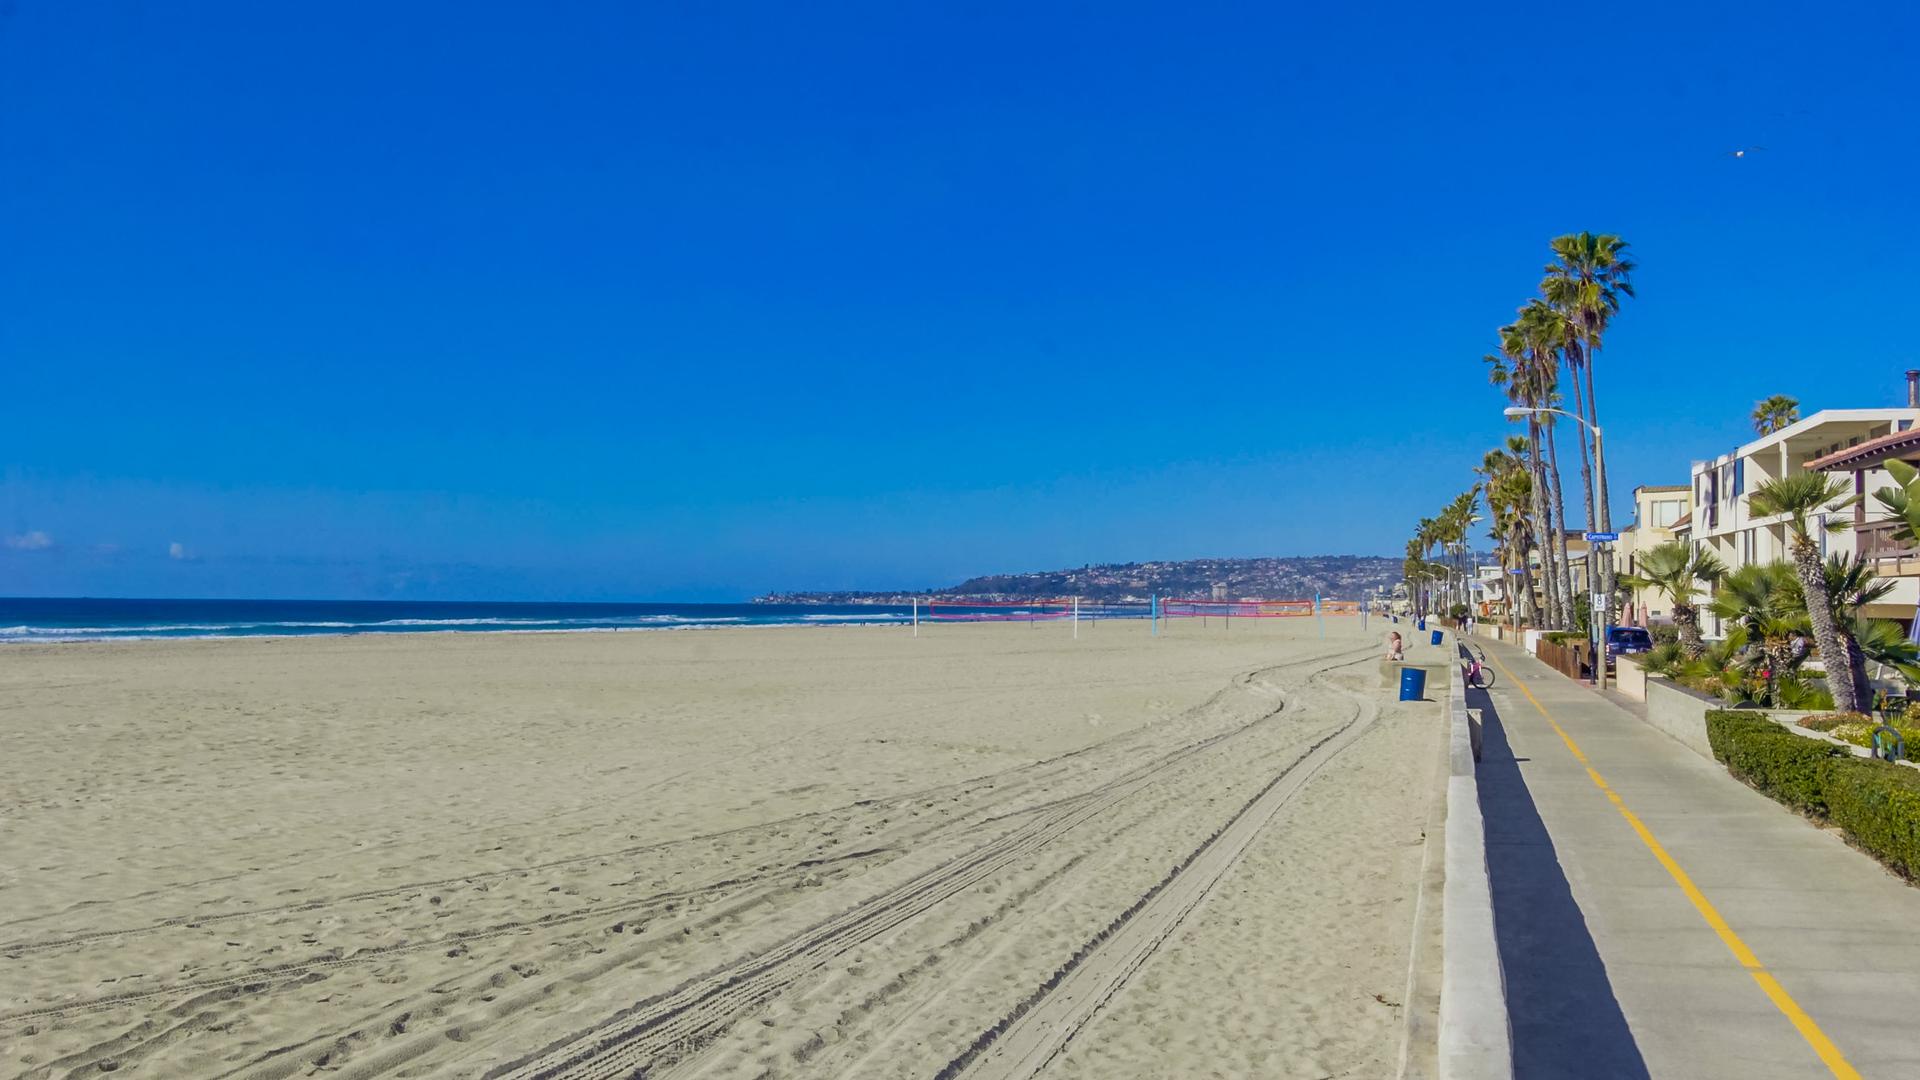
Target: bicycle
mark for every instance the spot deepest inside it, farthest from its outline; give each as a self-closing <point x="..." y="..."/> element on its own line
<point x="1475" y="672"/>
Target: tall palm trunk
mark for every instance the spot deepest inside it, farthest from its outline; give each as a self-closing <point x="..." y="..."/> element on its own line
<point x="1607" y="571"/>
<point x="1857" y="672"/>
<point x="1833" y="652"/>
<point x="1586" y="457"/>
<point x="1543" y="526"/>
<point x="1686" y="620"/>
<point x="1570" y="611"/>
<point x="1593" y="417"/>
<point x="1522" y="543"/>
<point x="1779" y="654"/>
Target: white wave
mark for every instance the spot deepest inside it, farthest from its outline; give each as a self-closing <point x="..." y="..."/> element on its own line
<point x="26" y="633"/>
<point x="62" y="631"/>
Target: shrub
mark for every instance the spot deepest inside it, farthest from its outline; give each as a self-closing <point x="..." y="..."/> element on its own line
<point x="1793" y="692"/>
<point x="1829" y="721"/>
<point x="1776" y="761"/>
<point x="1860" y="733"/>
<point x="1878" y="804"/>
<point x="1663" y="658"/>
<point x="1664" y="633"/>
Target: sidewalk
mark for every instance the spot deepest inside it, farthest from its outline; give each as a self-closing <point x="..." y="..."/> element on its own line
<point x="1612" y="967"/>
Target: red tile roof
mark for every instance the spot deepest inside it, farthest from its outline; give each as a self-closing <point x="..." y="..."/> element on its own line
<point x="1900" y="444"/>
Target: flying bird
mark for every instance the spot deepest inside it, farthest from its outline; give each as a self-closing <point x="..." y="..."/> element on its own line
<point x="1744" y="151"/>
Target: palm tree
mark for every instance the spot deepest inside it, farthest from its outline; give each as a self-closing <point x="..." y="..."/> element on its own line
<point x="1456" y="521"/>
<point x="1881" y="641"/>
<point x="1589" y="275"/>
<point x="1584" y="283"/>
<point x="1513" y="371"/>
<point x="1541" y="333"/>
<point x="1903" y="501"/>
<point x="1762" y="601"/>
<point x="1674" y="569"/>
<point x="1775" y="413"/>
<point x="1414" y="572"/>
<point x="1798" y="497"/>
<point x="1851" y="586"/>
<point x="1509" y="490"/>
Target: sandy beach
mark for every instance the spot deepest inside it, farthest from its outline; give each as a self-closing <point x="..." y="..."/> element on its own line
<point x="991" y="851"/>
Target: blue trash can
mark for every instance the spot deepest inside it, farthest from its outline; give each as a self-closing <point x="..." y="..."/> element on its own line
<point x="1421" y="625"/>
<point x="1436" y="637"/>
<point x="1413" y="684"/>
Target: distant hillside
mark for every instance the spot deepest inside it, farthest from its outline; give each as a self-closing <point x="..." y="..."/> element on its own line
<point x="1346" y="577"/>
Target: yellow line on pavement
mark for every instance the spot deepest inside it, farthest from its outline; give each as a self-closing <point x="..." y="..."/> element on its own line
<point x="1810" y="1031"/>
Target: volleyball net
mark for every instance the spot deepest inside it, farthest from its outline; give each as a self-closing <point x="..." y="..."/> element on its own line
<point x="961" y="610"/>
<point x="964" y="610"/>
<point x="1236" y="609"/>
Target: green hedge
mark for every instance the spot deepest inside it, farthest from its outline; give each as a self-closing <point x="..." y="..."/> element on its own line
<point x="1877" y="803"/>
<point x="1771" y="758"/>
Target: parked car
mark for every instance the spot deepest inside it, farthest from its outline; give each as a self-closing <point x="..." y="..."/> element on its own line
<point x="1625" y="640"/>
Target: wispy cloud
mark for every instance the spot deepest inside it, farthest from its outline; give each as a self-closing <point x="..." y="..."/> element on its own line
<point x="177" y="550"/>
<point x="30" y="541"/>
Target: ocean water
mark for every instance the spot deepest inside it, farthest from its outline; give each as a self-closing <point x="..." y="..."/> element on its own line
<point x="48" y="620"/>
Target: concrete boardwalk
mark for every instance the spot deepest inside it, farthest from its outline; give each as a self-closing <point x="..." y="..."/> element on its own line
<point x="1612" y="967"/>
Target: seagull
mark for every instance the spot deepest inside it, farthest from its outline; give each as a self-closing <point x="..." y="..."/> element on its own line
<point x="1744" y="151"/>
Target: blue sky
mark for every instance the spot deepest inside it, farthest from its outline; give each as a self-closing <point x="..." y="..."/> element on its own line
<point x="617" y="301"/>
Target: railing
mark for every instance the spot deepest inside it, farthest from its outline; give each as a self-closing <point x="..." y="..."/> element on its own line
<point x="1876" y="543"/>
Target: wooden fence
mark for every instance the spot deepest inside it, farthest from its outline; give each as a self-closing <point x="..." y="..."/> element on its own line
<point x="1567" y="658"/>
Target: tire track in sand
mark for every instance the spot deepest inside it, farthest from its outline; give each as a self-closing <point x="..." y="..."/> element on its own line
<point x="680" y="1022"/>
<point x="1036" y="1032"/>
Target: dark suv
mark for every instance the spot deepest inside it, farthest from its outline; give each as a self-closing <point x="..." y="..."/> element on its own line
<point x="1627" y="639"/>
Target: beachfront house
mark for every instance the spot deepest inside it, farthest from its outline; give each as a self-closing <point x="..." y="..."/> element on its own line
<point x="1850" y="441"/>
<point x="1656" y="510"/>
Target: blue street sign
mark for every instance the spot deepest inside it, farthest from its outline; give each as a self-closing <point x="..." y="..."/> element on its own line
<point x="1516" y="571"/>
<point x="1602" y="537"/>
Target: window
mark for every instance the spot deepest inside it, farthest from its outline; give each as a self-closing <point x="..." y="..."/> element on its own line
<point x="1739" y="475"/>
<point x="1666" y="512"/>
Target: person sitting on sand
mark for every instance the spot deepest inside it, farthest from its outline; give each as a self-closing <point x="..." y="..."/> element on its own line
<point x="1396" y="649"/>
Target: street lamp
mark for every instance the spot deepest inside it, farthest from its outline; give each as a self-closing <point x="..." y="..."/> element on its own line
<point x="1602" y="596"/>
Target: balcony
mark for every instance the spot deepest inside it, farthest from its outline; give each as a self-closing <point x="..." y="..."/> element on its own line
<point x="1875" y="542"/>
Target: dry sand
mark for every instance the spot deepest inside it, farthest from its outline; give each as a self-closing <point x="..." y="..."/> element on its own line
<point x="992" y="851"/>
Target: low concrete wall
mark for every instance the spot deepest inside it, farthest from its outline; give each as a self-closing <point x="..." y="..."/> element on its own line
<point x="1630" y="678"/>
<point x="1476" y="1037"/>
<point x="1530" y="641"/>
<point x="1390" y="674"/>
<point x="1681" y="713"/>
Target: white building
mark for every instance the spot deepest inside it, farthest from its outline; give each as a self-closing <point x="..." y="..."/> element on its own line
<point x="1723" y="522"/>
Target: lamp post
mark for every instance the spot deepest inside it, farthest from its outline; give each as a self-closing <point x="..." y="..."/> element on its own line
<point x="1597" y="616"/>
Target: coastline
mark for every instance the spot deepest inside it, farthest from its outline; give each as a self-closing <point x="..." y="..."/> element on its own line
<point x="85" y="639"/>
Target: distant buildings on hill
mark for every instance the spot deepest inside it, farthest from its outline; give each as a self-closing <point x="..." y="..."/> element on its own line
<point x="1345" y="577"/>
